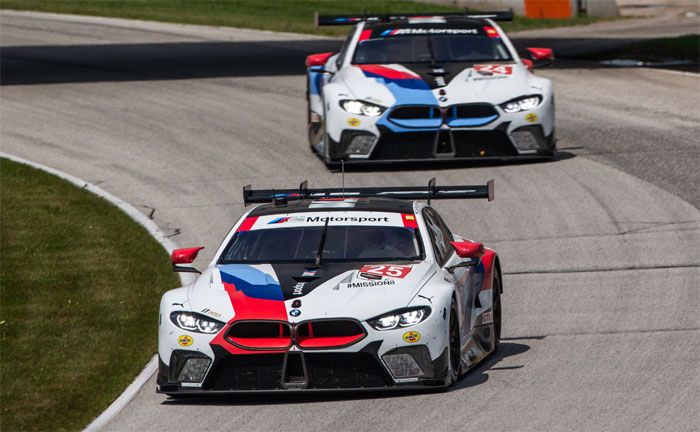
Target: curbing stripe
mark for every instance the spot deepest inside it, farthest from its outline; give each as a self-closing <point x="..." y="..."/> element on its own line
<point x="158" y="235"/>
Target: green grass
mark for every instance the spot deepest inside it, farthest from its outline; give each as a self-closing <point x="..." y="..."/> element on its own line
<point x="80" y="284"/>
<point x="676" y="48"/>
<point x="289" y="16"/>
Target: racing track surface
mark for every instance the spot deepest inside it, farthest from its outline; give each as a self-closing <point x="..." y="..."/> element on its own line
<point x="600" y="248"/>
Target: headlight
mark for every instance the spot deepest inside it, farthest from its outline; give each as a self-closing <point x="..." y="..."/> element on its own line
<point x="361" y="108"/>
<point x="521" y="104"/>
<point x="195" y="322"/>
<point x="400" y="318"/>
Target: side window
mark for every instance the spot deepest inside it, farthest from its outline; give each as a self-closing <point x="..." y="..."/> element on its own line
<point x="438" y="237"/>
<point x="447" y="234"/>
<point x="344" y="51"/>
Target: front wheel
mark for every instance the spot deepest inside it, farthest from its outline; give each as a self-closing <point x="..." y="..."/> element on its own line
<point x="496" y="311"/>
<point x="455" y="349"/>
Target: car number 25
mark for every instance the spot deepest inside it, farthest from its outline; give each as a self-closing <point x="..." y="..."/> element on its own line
<point x="387" y="270"/>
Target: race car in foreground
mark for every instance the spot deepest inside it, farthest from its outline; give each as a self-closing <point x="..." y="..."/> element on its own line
<point x="330" y="289"/>
<point x="428" y="88"/>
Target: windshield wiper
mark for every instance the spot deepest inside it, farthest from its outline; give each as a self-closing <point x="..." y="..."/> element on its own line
<point x="319" y="253"/>
<point x="433" y="62"/>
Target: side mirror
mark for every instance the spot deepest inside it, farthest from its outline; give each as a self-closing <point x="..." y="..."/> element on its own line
<point x="469" y="250"/>
<point x="529" y="64"/>
<point x="318" y="59"/>
<point x="541" y="57"/>
<point x="181" y="257"/>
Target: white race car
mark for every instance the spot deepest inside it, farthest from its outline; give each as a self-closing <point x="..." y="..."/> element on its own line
<point x="428" y="88"/>
<point x="329" y="289"/>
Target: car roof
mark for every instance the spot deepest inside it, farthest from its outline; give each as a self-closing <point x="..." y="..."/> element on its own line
<point x="340" y="204"/>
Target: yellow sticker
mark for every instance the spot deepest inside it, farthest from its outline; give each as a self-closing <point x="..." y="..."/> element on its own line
<point x="532" y="117"/>
<point x="410" y="217"/>
<point x="411" y="337"/>
<point x="353" y="121"/>
<point x="185" y="340"/>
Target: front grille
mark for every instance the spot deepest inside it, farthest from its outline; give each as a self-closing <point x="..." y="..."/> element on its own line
<point x="472" y="111"/>
<point x="260" y="335"/>
<point x="344" y="370"/>
<point x="328" y="334"/>
<point x="415" y="112"/>
<point x="490" y="142"/>
<point x="432" y="116"/>
<point x="414" y="145"/>
<point x="451" y="144"/>
<point x="324" y="370"/>
<point x="246" y="372"/>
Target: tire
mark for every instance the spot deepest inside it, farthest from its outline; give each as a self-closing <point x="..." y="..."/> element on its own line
<point x="454" y="348"/>
<point x="497" y="320"/>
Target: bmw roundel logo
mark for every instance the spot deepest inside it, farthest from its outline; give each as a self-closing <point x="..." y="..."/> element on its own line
<point x="295" y="312"/>
<point x="443" y="99"/>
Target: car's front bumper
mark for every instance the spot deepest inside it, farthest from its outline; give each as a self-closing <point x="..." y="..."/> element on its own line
<point x="448" y="145"/>
<point x="299" y="370"/>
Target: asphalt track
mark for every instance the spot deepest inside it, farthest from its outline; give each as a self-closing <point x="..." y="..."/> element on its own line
<point x="601" y="248"/>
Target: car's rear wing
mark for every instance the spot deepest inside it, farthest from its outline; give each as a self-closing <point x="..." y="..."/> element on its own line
<point x="330" y="20"/>
<point x="431" y="192"/>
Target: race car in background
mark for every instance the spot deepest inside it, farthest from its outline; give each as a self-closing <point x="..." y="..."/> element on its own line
<point x="332" y="289"/>
<point x="427" y="88"/>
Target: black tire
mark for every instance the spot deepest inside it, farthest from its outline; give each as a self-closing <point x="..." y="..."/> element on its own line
<point x="454" y="346"/>
<point x="497" y="323"/>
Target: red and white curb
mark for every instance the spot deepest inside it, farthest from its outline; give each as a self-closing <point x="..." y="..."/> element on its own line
<point x="158" y="235"/>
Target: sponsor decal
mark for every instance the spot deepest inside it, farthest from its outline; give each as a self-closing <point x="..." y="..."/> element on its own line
<point x="295" y="312"/>
<point x="369" y="284"/>
<point x="386" y="270"/>
<point x="353" y="121"/>
<point x="185" y="340"/>
<point x="359" y="219"/>
<point x="426" y="31"/>
<point x="491" y="69"/>
<point x="472" y="76"/>
<point x="411" y="337"/>
<point x="440" y="82"/>
<point x="487" y="318"/>
<point x="299" y="288"/>
<point x="532" y="117"/>
<point x="211" y="313"/>
<point x="491" y="32"/>
<point x="285" y="219"/>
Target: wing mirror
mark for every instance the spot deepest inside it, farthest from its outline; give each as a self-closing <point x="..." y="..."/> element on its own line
<point x="541" y="57"/>
<point x="470" y="251"/>
<point x="316" y="62"/>
<point x="181" y="257"/>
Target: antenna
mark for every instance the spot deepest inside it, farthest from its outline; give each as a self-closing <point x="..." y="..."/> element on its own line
<point x="304" y="189"/>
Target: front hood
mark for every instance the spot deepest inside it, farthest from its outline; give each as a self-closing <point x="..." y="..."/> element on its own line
<point x="267" y="291"/>
<point x="410" y="84"/>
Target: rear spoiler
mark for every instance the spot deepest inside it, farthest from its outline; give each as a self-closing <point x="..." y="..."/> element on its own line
<point x="432" y="191"/>
<point x="330" y="20"/>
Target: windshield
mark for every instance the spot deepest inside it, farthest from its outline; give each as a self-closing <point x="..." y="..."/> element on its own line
<point x="342" y="243"/>
<point x="429" y="49"/>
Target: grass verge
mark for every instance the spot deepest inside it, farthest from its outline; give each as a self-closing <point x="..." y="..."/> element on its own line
<point x="80" y="284"/>
<point x="294" y="16"/>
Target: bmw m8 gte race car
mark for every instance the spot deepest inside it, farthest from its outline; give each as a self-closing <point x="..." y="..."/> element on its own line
<point x="324" y="289"/>
<point x="428" y="88"/>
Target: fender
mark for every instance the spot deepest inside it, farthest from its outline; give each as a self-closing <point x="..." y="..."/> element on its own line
<point x="489" y="262"/>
